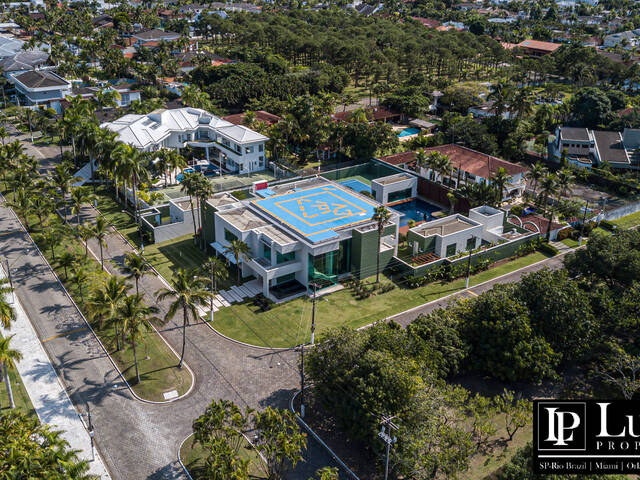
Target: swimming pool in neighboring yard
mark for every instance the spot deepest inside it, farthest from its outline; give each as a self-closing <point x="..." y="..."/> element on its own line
<point x="416" y="210"/>
<point x="408" y="131"/>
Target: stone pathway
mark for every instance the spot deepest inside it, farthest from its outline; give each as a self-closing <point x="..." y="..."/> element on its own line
<point x="562" y="248"/>
<point x="48" y="396"/>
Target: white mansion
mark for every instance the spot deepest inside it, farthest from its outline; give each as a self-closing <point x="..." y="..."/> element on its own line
<point x="238" y="148"/>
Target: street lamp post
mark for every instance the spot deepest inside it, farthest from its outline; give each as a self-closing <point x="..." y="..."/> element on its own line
<point x="469" y="261"/>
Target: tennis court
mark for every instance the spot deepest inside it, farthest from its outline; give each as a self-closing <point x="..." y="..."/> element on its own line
<point x="355" y="184"/>
<point x="317" y="211"/>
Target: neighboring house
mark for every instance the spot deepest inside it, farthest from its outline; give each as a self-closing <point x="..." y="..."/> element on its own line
<point x="628" y="40"/>
<point x="468" y="166"/>
<point x="152" y="36"/>
<point x="586" y="148"/>
<point x="261" y="116"/>
<point x="41" y="88"/>
<point x="379" y="113"/>
<point x="127" y="95"/>
<point x="537" y="48"/>
<point x="103" y="21"/>
<point x="486" y="110"/>
<point x="187" y="61"/>
<point x="427" y="22"/>
<point x="9" y="46"/>
<point x="236" y="147"/>
<point x="236" y="7"/>
<point x="23" y="61"/>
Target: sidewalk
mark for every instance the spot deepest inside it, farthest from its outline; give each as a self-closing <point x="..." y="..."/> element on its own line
<point x="49" y="398"/>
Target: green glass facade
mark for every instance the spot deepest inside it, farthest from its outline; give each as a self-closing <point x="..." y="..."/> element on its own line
<point x="329" y="266"/>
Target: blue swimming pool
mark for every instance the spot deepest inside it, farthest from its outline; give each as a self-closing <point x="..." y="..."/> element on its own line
<point x="356" y="185"/>
<point x="416" y="210"/>
<point x="408" y="131"/>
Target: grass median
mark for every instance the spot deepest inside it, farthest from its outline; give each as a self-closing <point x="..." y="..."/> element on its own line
<point x="159" y="372"/>
<point x="20" y="395"/>
<point x="288" y="324"/>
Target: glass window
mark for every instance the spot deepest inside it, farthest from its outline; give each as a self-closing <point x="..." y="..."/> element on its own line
<point x="261" y="147"/>
<point x="451" y="250"/>
<point x="266" y="251"/>
<point x="248" y="149"/>
<point x="286" y="278"/>
<point x="229" y="236"/>
<point x="287" y="257"/>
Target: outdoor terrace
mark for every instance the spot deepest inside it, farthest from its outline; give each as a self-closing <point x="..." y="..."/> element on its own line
<point x="243" y="219"/>
<point x="447" y="227"/>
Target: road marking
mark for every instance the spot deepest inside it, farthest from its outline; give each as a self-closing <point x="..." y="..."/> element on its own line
<point x="64" y="334"/>
<point x="472" y="293"/>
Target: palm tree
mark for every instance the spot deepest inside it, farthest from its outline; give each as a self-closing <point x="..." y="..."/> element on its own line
<point x="422" y="160"/>
<point x="189" y="185"/>
<point x="381" y="216"/>
<point x="500" y="179"/>
<point x="187" y="292"/>
<point x="131" y="166"/>
<point x="7" y="313"/>
<point x="66" y="260"/>
<point x="52" y="238"/>
<point x="217" y="270"/>
<point x="100" y="230"/>
<point x="136" y="266"/>
<point x="204" y="190"/>
<point x="104" y="302"/>
<point x="62" y="179"/>
<point x="237" y="248"/>
<point x="85" y="232"/>
<point x="137" y="320"/>
<point x="79" y="197"/>
<point x="80" y="277"/>
<point x="564" y="179"/>
<point x="8" y="357"/>
<point x="535" y="174"/>
<point x="549" y="188"/>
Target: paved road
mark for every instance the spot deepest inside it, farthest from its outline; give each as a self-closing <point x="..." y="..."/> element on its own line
<point x="405" y="318"/>
<point x="140" y="440"/>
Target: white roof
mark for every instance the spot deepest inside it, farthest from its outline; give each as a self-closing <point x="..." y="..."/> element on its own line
<point x="137" y="130"/>
<point x="142" y="130"/>
<point x="241" y="134"/>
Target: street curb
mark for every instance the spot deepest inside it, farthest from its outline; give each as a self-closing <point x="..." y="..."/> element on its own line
<point x="465" y="290"/>
<point x="180" y="459"/>
<point x="81" y="314"/>
<point x="193" y="377"/>
<point x="318" y="439"/>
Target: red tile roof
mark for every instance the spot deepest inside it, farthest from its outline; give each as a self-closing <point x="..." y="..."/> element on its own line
<point x="399" y="158"/>
<point x="539" y="46"/>
<point x="476" y="163"/>
<point x="540" y="221"/>
<point x="263" y="116"/>
<point x="378" y="113"/>
<point x="427" y="22"/>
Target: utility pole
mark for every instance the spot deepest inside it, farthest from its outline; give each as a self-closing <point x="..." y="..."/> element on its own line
<point x="469" y="261"/>
<point x="313" y="313"/>
<point x="584" y="219"/>
<point x="302" y="380"/>
<point x="387" y="422"/>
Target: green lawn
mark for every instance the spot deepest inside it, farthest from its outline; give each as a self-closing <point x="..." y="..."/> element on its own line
<point x="157" y="363"/>
<point x="20" y="396"/>
<point x="288" y="324"/>
<point x="570" y="242"/>
<point x="628" y="221"/>
<point x="115" y="214"/>
<point x="193" y="454"/>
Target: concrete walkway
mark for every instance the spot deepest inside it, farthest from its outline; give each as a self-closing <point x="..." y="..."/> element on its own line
<point x="49" y="398"/>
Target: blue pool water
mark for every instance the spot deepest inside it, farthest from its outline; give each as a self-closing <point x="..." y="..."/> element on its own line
<point x="207" y="170"/>
<point x="356" y="185"/>
<point x="408" y="131"/>
<point x="179" y="177"/>
<point x="416" y="210"/>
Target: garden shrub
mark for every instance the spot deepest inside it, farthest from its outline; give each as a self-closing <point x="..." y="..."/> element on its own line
<point x="548" y="249"/>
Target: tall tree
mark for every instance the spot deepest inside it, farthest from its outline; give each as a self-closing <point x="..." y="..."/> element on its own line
<point x="381" y="216"/>
<point x="137" y="321"/>
<point x="217" y="271"/>
<point x="104" y="302"/>
<point x="7" y="313"/>
<point x="135" y="267"/>
<point x="237" y="248"/>
<point x="8" y="357"/>
<point x="100" y="231"/>
<point x="187" y="292"/>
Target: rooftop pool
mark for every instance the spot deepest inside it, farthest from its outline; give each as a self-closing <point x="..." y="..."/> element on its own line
<point x="416" y="210"/>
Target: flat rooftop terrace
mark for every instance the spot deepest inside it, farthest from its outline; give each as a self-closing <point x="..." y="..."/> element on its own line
<point x="444" y="228"/>
<point x="391" y="179"/>
<point x="316" y="212"/>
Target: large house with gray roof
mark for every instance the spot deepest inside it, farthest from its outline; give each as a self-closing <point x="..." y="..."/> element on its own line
<point x="41" y="88"/>
<point x="238" y="148"/>
<point x="585" y="148"/>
